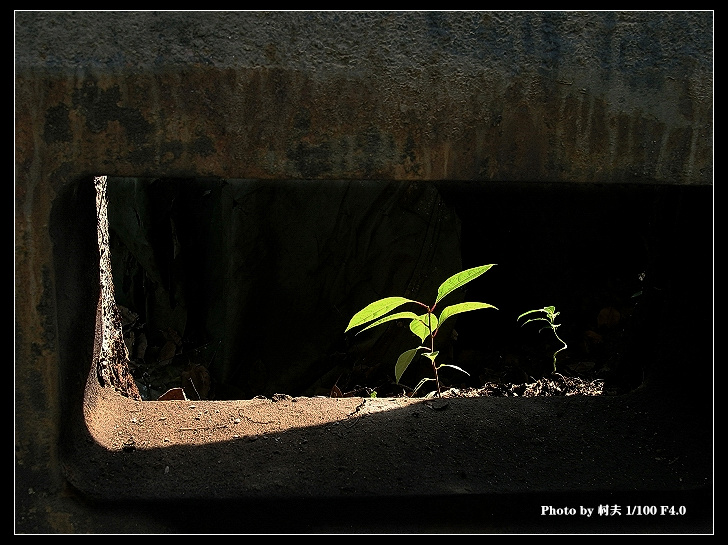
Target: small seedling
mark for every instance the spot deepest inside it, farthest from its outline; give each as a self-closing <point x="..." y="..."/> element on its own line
<point x="423" y="325"/>
<point x="550" y="319"/>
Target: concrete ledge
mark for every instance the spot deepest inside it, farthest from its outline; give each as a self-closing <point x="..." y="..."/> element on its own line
<point x="478" y="465"/>
<point x="239" y="449"/>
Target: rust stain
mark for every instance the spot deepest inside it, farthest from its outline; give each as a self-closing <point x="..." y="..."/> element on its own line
<point x="276" y="123"/>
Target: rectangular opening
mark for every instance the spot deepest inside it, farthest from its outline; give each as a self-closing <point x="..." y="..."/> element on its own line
<point x="232" y="289"/>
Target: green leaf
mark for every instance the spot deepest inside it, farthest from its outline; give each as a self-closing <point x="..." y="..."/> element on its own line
<point x="461" y="307"/>
<point x="549" y="311"/>
<point x="454" y="367"/>
<point x="397" y="316"/>
<point x="530" y="312"/>
<point x="535" y="320"/>
<point x="431" y="355"/>
<point x="403" y="362"/>
<point x="375" y="310"/>
<point x="419" y="326"/>
<point x="459" y="279"/>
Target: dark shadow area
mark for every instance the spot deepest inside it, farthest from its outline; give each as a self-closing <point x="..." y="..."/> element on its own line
<point x="221" y="281"/>
<point x="239" y="288"/>
<point x="621" y="263"/>
<point x="475" y="514"/>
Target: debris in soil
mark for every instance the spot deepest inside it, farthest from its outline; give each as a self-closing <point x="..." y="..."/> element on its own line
<point x="554" y="385"/>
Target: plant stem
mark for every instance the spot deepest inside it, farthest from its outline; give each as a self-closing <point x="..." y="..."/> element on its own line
<point x="437" y="378"/>
<point x="432" y="350"/>
<point x="560" y="349"/>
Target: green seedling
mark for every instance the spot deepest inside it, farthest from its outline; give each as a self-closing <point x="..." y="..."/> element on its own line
<point x="424" y="325"/>
<point x="550" y="319"/>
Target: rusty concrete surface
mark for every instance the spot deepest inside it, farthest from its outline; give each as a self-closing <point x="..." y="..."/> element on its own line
<point x="582" y="97"/>
<point x="480" y="96"/>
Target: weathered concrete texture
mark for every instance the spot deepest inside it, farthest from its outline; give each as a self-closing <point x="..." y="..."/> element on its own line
<point x="482" y="96"/>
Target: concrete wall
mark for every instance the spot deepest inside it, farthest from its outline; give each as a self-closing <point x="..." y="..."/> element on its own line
<point x="573" y="97"/>
<point x="475" y="96"/>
